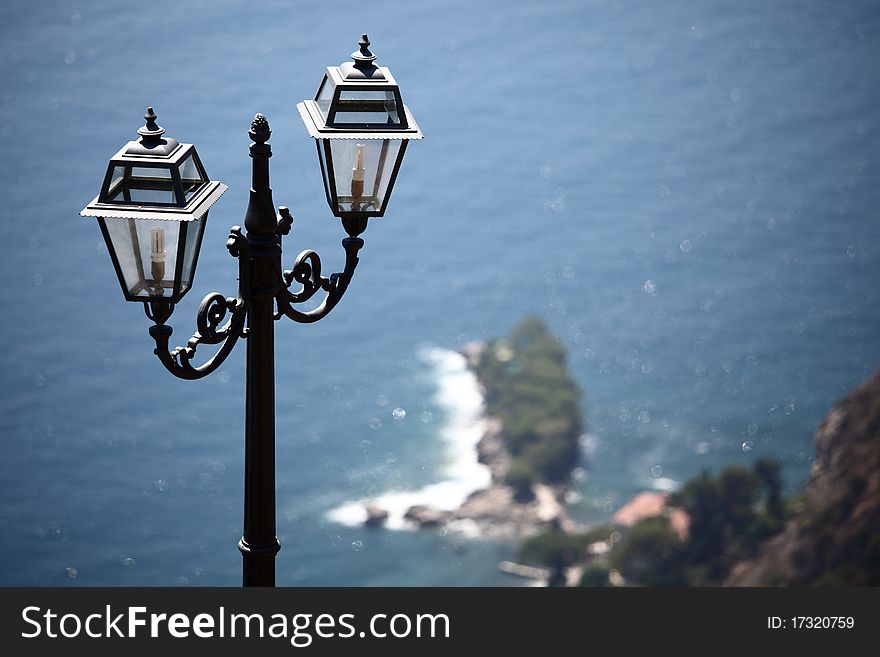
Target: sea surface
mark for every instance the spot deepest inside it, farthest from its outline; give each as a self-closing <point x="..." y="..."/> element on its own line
<point x="686" y="192"/>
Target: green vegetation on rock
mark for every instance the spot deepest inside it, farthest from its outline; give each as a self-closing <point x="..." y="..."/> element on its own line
<point x="730" y="515"/>
<point x="529" y="389"/>
<point x="651" y="555"/>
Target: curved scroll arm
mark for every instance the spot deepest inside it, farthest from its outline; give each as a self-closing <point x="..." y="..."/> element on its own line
<point x="307" y="272"/>
<point x="212" y="312"/>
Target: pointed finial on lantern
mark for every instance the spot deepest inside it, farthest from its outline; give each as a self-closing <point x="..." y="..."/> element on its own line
<point x="362" y="67"/>
<point x="151" y="142"/>
<point x="363" y="58"/>
<point x="151" y="132"/>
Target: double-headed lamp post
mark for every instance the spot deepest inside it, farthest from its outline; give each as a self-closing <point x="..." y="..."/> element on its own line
<point x="152" y="210"/>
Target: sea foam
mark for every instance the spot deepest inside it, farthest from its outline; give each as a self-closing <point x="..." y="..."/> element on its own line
<point x="460" y="397"/>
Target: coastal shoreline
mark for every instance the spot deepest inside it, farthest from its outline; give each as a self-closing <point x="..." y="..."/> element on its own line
<point x="492" y="510"/>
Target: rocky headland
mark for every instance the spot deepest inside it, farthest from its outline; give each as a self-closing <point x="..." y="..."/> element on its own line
<point x="529" y="444"/>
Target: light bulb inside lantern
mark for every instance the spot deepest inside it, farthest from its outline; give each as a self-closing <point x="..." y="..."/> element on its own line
<point x="357" y="174"/>
<point x="157" y="254"/>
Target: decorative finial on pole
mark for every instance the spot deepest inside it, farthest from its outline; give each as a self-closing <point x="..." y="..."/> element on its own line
<point x="151" y="132"/>
<point x="260" y="219"/>
<point x="260" y="131"/>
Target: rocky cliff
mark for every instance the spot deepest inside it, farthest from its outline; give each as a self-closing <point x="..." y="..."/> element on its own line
<point x="834" y="539"/>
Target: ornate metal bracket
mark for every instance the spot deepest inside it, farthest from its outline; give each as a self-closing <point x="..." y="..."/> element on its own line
<point x="307" y="272"/>
<point x="215" y="307"/>
<point x="212" y="311"/>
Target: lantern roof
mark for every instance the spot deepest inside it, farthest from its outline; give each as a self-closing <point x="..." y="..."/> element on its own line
<point x="155" y="177"/>
<point x="358" y="100"/>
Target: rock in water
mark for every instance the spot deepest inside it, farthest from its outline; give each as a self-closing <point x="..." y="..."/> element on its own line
<point x="376" y="516"/>
<point x="425" y="516"/>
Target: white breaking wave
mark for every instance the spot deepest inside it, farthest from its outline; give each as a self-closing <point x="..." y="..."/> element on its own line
<point x="665" y="484"/>
<point x="459" y="395"/>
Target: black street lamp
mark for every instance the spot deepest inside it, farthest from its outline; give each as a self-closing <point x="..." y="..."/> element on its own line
<point x="361" y="128"/>
<point x="153" y="206"/>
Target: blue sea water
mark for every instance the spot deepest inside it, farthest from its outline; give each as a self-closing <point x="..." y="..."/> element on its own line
<point x="686" y="192"/>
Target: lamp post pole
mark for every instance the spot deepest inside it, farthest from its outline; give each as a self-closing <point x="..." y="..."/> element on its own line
<point x="258" y="544"/>
<point x="264" y="296"/>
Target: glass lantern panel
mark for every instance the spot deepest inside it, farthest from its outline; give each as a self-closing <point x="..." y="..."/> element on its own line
<point x="146" y="250"/>
<point x="367" y="107"/>
<point x="361" y="172"/>
<point x="142" y="185"/>
<point x="191" y="177"/>
<point x="115" y="181"/>
<point x="325" y="96"/>
<point x="191" y="245"/>
<point x="323" y="162"/>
